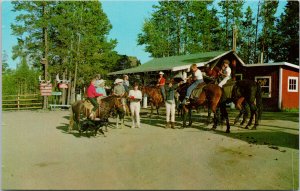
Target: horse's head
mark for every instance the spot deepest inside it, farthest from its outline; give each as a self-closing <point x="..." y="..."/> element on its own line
<point x="182" y="89"/>
<point x="212" y="72"/>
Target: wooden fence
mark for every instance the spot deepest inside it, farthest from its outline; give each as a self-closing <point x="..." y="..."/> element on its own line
<point x="19" y="102"/>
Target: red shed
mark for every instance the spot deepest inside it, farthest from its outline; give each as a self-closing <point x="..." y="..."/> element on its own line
<point x="279" y="81"/>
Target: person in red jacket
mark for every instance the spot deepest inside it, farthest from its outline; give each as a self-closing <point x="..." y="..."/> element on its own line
<point x="92" y="96"/>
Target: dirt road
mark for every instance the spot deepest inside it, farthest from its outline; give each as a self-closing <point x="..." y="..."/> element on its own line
<point x="38" y="153"/>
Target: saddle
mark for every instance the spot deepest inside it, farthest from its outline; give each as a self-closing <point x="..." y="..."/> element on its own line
<point x="197" y="91"/>
<point x="227" y="88"/>
<point x="88" y="106"/>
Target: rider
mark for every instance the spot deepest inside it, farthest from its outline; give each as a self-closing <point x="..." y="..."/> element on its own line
<point x="161" y="83"/>
<point x="92" y="96"/>
<point x="197" y="76"/>
<point x="225" y="73"/>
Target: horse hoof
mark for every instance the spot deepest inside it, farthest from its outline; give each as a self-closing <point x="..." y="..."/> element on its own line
<point x="227" y="131"/>
<point x="247" y="127"/>
<point x="253" y="128"/>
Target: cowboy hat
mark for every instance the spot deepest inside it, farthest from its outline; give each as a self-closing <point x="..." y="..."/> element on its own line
<point x="118" y="81"/>
<point x="161" y="73"/>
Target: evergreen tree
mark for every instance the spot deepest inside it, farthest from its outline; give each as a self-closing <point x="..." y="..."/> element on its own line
<point x="231" y="12"/>
<point x="268" y="11"/>
<point x="285" y="46"/>
<point x="247" y="51"/>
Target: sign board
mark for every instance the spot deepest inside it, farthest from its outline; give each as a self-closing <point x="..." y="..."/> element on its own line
<point x="45" y="89"/>
<point x="63" y="85"/>
<point x="56" y="93"/>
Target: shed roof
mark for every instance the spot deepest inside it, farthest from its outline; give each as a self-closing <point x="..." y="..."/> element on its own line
<point x="174" y="63"/>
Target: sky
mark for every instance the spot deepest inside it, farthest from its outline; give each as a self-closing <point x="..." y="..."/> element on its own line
<point x="126" y="17"/>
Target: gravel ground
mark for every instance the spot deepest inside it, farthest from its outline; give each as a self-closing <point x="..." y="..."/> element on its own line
<point x="39" y="153"/>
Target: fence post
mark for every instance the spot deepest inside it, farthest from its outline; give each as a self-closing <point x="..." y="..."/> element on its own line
<point x="18" y="101"/>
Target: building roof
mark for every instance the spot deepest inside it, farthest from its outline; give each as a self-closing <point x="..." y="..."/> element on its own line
<point x="273" y="64"/>
<point x="174" y="63"/>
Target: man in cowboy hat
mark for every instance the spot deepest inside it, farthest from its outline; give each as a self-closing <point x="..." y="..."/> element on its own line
<point x="119" y="89"/>
<point x="161" y="83"/>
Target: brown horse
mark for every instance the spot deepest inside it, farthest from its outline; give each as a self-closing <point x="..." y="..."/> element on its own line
<point x="243" y="90"/>
<point x="194" y="103"/>
<point x="154" y="95"/>
<point x="107" y="106"/>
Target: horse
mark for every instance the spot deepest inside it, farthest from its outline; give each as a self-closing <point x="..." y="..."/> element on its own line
<point x="243" y="90"/>
<point x="156" y="98"/>
<point x="107" y="106"/>
<point x="194" y="103"/>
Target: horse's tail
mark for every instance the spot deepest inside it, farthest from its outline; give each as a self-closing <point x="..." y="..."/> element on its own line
<point x="259" y="103"/>
<point x="71" y="121"/>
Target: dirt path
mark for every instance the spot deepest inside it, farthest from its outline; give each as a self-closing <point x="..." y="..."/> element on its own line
<point x="38" y="153"/>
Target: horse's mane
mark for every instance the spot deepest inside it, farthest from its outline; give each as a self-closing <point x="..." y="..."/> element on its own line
<point x="109" y="98"/>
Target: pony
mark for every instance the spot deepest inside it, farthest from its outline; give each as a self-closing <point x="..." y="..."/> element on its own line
<point x="243" y="90"/>
<point x="107" y="106"/>
<point x="156" y="98"/>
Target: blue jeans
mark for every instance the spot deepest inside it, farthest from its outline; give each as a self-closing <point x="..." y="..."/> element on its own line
<point x="162" y="89"/>
<point x="192" y="87"/>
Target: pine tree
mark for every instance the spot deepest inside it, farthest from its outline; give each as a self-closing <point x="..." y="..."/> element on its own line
<point x="268" y="11"/>
<point x="247" y="51"/>
<point x="285" y="46"/>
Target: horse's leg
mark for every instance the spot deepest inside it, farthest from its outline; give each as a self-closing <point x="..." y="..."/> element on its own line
<point x="208" y="116"/>
<point x="238" y="117"/>
<point x="190" y="117"/>
<point x="246" y="110"/>
<point x="185" y="113"/>
<point x="151" y="110"/>
<point x="253" y="110"/>
<point x="157" y="107"/>
<point x="225" y="115"/>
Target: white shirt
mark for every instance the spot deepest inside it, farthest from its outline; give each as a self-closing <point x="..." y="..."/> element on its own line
<point x="137" y="94"/>
<point x="227" y="72"/>
<point x="198" y="75"/>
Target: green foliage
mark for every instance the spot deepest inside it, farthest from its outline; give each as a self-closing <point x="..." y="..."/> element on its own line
<point x="268" y="11"/>
<point x="180" y="27"/>
<point x="76" y="34"/>
<point x="285" y="40"/>
<point x="23" y="80"/>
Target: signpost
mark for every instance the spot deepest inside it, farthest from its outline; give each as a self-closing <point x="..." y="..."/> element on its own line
<point x="46" y="89"/>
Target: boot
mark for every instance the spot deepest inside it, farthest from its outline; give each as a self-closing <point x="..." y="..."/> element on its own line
<point x="167" y="125"/>
<point x="173" y="125"/>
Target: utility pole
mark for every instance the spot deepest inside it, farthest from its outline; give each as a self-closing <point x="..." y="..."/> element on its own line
<point x="44" y="60"/>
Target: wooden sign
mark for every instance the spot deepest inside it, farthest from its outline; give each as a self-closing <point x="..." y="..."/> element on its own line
<point x="46" y="89"/>
<point x="63" y="85"/>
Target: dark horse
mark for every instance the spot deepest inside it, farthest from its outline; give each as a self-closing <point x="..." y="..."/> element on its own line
<point x="243" y="90"/>
<point x="154" y="95"/>
<point x="107" y="106"/>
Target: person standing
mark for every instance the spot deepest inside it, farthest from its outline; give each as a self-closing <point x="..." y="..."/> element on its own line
<point x="92" y="97"/>
<point x="170" y="103"/>
<point x="161" y="84"/>
<point x="225" y="73"/>
<point x="135" y="97"/>
<point x="126" y="83"/>
<point x="197" y="77"/>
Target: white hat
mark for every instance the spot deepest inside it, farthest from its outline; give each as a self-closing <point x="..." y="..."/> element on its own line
<point x="118" y="81"/>
<point x="161" y="73"/>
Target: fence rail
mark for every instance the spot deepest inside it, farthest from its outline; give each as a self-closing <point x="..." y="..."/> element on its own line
<point x="18" y="102"/>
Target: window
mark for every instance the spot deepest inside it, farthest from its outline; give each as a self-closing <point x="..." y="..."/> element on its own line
<point x="265" y="83"/>
<point x="292" y="84"/>
<point x="238" y="77"/>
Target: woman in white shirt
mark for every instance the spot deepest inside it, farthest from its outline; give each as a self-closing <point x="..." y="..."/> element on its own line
<point x="225" y="73"/>
<point x="135" y="97"/>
